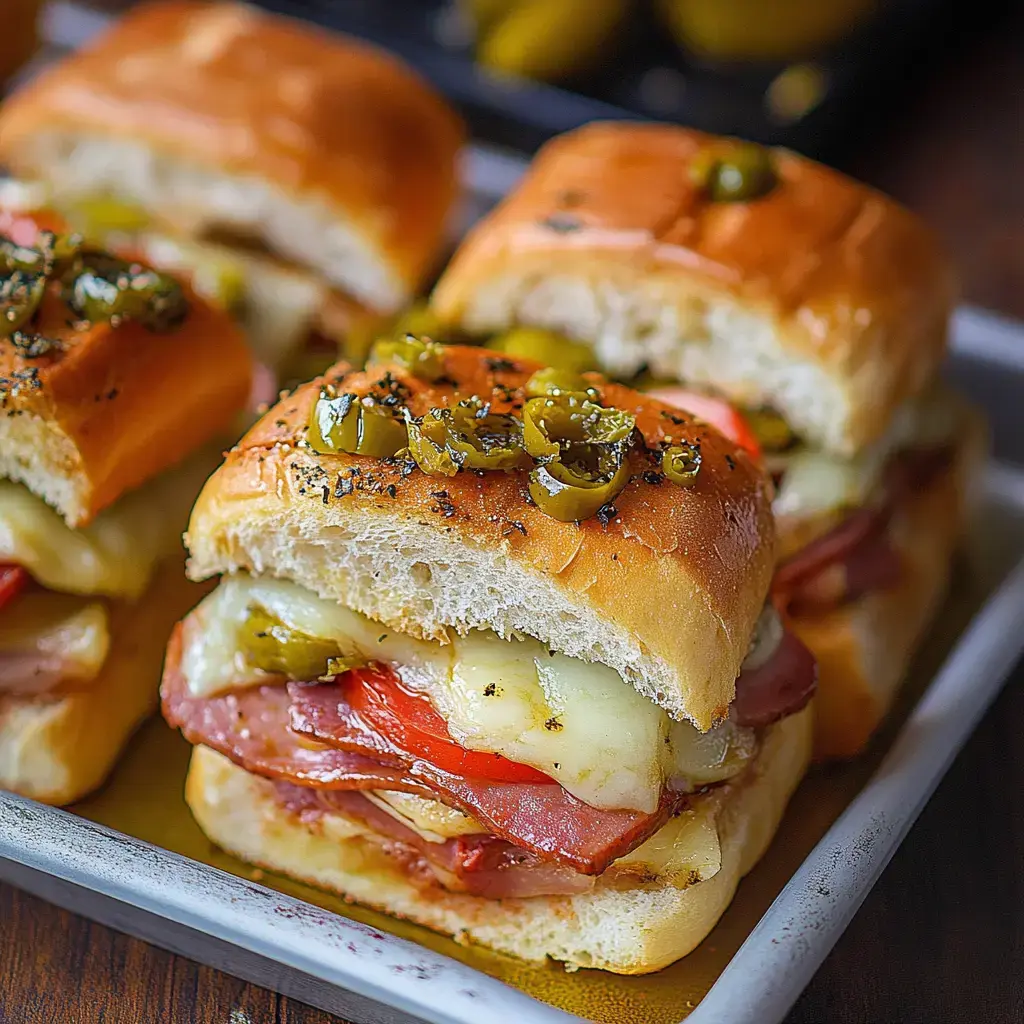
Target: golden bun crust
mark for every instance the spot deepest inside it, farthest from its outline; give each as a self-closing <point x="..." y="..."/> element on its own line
<point x="314" y="116"/>
<point x="864" y="649"/>
<point x="621" y="928"/>
<point x="821" y="284"/>
<point x="112" y="406"/>
<point x="425" y="554"/>
<point x="60" y="750"/>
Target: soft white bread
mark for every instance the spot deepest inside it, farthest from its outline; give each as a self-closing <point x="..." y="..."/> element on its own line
<point x="59" y="749"/>
<point x="626" y="928"/>
<point x="215" y="117"/>
<point x="822" y="299"/>
<point x="666" y="590"/>
<point x="864" y="649"/>
<point x="113" y="405"/>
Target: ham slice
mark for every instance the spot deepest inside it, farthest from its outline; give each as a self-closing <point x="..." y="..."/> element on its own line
<point x="852" y="560"/>
<point x="479" y="865"/>
<point x="250" y="726"/>
<point x="328" y="747"/>
<point x="780" y="687"/>
<point x="856" y="557"/>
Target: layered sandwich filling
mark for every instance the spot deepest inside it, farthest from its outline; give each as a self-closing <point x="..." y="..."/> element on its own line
<point x="60" y="587"/>
<point x="835" y="514"/>
<point x="493" y="766"/>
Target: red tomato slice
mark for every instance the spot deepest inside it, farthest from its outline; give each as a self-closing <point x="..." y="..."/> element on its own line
<point x="719" y="413"/>
<point x="12" y="580"/>
<point x="409" y="721"/>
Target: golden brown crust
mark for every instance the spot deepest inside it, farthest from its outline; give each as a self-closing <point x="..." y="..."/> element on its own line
<point x="669" y="557"/>
<point x="118" y="404"/>
<point x="852" y="281"/>
<point x="331" y="118"/>
<point x="865" y="648"/>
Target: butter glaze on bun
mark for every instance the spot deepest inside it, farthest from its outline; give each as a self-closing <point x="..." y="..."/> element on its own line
<point x="665" y="588"/>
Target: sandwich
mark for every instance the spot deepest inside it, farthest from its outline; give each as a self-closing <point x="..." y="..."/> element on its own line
<point x="491" y="650"/>
<point x="115" y="380"/>
<point x="303" y="178"/>
<point x="802" y="313"/>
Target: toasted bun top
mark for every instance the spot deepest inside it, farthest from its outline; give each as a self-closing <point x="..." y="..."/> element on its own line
<point x="666" y="588"/>
<point x="336" y="154"/>
<point x="821" y="298"/>
<point x="110" y="406"/>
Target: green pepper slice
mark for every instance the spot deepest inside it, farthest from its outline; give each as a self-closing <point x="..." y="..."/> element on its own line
<point x="547" y="347"/>
<point x="559" y="420"/>
<point x="681" y="464"/>
<point x="771" y="429"/>
<point x="268" y="644"/>
<point x="418" y="321"/>
<point x="553" y="381"/>
<point x="734" y="172"/>
<point x="480" y="439"/>
<point x="106" y="288"/>
<point x="572" y="491"/>
<point x="60" y="252"/>
<point x="20" y="296"/>
<point x="54" y="255"/>
<point x="422" y="357"/>
<point x="468" y="436"/>
<point x="23" y="258"/>
<point x="428" y="444"/>
<point x="344" y="423"/>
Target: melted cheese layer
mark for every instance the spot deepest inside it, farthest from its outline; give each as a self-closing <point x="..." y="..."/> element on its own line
<point x="814" y="481"/>
<point x="114" y="555"/>
<point x="579" y="723"/>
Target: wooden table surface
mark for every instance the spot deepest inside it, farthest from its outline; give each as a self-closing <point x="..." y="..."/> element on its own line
<point x="941" y="937"/>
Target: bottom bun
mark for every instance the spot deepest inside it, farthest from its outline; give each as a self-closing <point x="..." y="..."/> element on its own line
<point x="58" y="750"/>
<point x="864" y="649"/>
<point x="629" y="930"/>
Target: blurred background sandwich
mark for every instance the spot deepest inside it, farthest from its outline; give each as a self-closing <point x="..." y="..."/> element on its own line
<point x="117" y="383"/>
<point x="304" y="179"/>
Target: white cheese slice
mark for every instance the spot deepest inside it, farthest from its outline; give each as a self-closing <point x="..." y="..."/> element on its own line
<point x="430" y="819"/>
<point x="579" y="723"/>
<point x="815" y="482"/>
<point x="116" y="553"/>
<point x="684" y="851"/>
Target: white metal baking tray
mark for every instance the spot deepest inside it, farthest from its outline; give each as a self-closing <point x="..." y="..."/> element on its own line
<point x="364" y="973"/>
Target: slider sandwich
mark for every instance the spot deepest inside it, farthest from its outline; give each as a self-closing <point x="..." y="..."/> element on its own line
<point x="491" y="651"/>
<point x="305" y="179"/>
<point x="113" y="378"/>
<point x="802" y="313"/>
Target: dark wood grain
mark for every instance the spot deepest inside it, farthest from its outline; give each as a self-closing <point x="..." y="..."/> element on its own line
<point x="58" y="968"/>
<point x="941" y="937"/>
